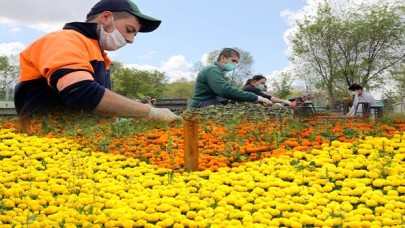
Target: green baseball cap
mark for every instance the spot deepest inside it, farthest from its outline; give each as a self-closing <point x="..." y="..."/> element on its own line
<point x="148" y="23"/>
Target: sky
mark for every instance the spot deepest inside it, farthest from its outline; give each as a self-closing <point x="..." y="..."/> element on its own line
<point x="189" y="30"/>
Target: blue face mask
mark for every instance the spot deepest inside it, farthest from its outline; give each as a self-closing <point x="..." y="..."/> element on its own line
<point x="230" y="66"/>
<point x="260" y="86"/>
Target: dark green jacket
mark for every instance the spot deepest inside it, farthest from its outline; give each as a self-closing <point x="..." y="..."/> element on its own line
<point x="211" y="82"/>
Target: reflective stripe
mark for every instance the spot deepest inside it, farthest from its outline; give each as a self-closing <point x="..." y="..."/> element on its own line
<point x="72" y="78"/>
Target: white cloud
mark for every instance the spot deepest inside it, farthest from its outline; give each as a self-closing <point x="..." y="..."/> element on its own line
<point x="14" y="30"/>
<point x="44" y="15"/>
<point x="112" y="54"/>
<point x="5" y="21"/>
<point x="176" y="62"/>
<point x="204" y="59"/>
<point x="142" y="67"/>
<point x="175" y="68"/>
<point x="11" y="48"/>
<point x="289" y="16"/>
<point x="292" y="17"/>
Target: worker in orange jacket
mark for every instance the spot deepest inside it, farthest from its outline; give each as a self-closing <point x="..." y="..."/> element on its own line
<point x="70" y="68"/>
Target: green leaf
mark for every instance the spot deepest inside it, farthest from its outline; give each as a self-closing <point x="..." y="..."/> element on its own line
<point x="294" y="162"/>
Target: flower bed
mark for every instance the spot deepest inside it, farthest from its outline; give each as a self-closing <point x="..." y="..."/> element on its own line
<point x="103" y="173"/>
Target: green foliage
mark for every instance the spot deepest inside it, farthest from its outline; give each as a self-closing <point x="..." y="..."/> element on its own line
<point x="383" y="161"/>
<point x="134" y="83"/>
<point x="115" y="65"/>
<point x="390" y="97"/>
<point x="170" y="176"/>
<point x="352" y="43"/>
<point x="232" y="114"/>
<point x="9" y="72"/>
<point x="314" y="47"/>
<point x="179" y="89"/>
<point x="377" y="35"/>
<point x="398" y="76"/>
<point x="282" y="85"/>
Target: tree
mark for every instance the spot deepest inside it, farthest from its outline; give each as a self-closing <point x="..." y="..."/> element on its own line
<point x="355" y="44"/>
<point x="282" y="85"/>
<point x="115" y="65"/>
<point x="179" y="89"/>
<point x="371" y="42"/>
<point x="197" y="67"/>
<point x="314" y="46"/>
<point x="243" y="71"/>
<point x="134" y="83"/>
<point x="9" y="73"/>
<point x="398" y="77"/>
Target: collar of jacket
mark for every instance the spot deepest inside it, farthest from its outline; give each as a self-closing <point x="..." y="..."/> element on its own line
<point x="87" y="29"/>
<point x="219" y="65"/>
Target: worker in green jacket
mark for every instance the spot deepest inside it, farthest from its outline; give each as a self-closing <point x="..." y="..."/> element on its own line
<point x="212" y="88"/>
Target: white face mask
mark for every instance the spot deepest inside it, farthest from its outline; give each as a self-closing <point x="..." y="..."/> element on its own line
<point x="355" y="93"/>
<point x="111" y="41"/>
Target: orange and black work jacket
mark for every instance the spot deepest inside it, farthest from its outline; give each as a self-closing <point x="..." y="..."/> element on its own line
<point x="65" y="68"/>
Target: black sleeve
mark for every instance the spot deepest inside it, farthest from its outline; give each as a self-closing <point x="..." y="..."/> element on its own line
<point x="85" y="94"/>
<point x="256" y="91"/>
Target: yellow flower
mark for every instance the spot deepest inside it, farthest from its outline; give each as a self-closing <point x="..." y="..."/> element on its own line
<point x="371" y="203"/>
<point x="240" y="202"/>
<point x="247" y="207"/>
<point x="8" y="203"/>
<point x="378" y="182"/>
<point x="50" y="210"/>
<point x="298" y="154"/>
<point x="163" y="207"/>
<point x="259" y="191"/>
<point x="392" y="193"/>
<point x="110" y="224"/>
<point x="191" y="214"/>
<point x="388" y="222"/>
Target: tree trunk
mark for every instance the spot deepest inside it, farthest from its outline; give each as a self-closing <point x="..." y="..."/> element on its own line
<point x="331" y="96"/>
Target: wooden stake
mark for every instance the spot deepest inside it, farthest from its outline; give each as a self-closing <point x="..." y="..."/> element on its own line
<point x="190" y="145"/>
<point x="25" y="124"/>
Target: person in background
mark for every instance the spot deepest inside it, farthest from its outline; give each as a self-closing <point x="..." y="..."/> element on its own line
<point x="212" y="87"/>
<point x="69" y="69"/>
<point x="359" y="96"/>
<point x="256" y="85"/>
<point x="301" y="100"/>
<point x="149" y="100"/>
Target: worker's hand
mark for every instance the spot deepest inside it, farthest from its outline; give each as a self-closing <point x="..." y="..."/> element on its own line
<point x="163" y="114"/>
<point x="264" y="100"/>
<point x="287" y="102"/>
